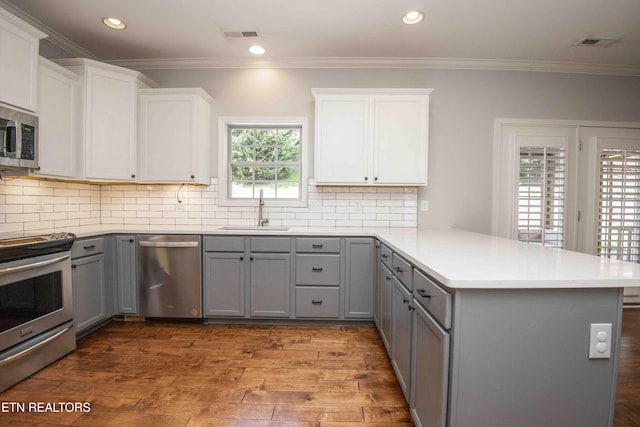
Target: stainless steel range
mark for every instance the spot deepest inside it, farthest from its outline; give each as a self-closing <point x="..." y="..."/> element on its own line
<point x="36" y="304"/>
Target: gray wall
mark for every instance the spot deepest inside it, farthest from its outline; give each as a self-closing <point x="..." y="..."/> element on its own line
<point x="462" y="108"/>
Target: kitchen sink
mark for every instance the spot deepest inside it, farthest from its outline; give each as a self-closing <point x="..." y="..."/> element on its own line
<point x="254" y="228"/>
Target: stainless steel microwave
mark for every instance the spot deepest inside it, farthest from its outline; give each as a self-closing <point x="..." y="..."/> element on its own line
<point x="18" y="139"/>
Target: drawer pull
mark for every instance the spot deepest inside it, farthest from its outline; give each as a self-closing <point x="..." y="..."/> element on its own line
<point x="316" y="269"/>
<point x="86" y="248"/>
<point x="424" y="293"/>
<point x="398" y="269"/>
<point x="384" y="256"/>
<point x="388" y="278"/>
<point x="317" y="246"/>
<point x="316" y="301"/>
<point x="404" y="300"/>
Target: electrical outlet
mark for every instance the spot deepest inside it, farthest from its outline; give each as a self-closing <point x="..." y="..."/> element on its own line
<point x="180" y="207"/>
<point x="424" y="205"/>
<point x="600" y="341"/>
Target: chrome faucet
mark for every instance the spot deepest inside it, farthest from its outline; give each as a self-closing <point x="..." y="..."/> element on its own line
<point x="262" y="221"/>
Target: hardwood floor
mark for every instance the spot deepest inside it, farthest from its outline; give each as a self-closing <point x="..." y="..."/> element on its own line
<point x="156" y="374"/>
<point x="219" y="375"/>
<point x="627" y="412"/>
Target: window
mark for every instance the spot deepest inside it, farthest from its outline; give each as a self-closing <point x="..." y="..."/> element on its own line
<point x="263" y="154"/>
<point x="618" y="234"/>
<point x="265" y="158"/>
<point x="541" y="196"/>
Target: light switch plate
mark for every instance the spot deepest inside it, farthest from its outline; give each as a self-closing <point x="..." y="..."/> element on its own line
<point x="600" y="341"/>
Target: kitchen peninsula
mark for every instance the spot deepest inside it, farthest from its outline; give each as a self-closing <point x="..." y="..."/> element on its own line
<point x="518" y="326"/>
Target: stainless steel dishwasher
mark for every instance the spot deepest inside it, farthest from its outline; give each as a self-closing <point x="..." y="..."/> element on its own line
<point x="169" y="276"/>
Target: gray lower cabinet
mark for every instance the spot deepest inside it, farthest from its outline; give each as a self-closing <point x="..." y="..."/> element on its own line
<point x="401" y="345"/>
<point x="126" y="281"/>
<point x="376" y="285"/>
<point x="317" y="302"/>
<point x="386" y="306"/>
<point x="429" y="371"/>
<point x="88" y="277"/>
<point x="224" y="276"/>
<point x="358" y="289"/>
<point x="247" y="276"/>
<point x="224" y="284"/>
<point x="270" y="284"/>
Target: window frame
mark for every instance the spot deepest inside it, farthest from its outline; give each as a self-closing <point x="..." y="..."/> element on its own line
<point x="505" y="172"/>
<point x="224" y="162"/>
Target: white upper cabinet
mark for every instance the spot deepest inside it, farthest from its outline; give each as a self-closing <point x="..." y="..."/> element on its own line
<point x="58" y="104"/>
<point x="175" y="135"/>
<point x="371" y="136"/>
<point x="108" y="120"/>
<point x="19" y="45"/>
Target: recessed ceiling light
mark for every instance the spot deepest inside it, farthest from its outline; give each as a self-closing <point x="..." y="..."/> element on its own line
<point x="257" y="50"/>
<point x="114" y="23"/>
<point x="412" y="17"/>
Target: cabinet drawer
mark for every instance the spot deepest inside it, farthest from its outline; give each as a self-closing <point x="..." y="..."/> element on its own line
<point x="321" y="270"/>
<point x="87" y="247"/>
<point x="402" y="270"/>
<point x="318" y="245"/>
<point x="431" y="296"/>
<point x="385" y="255"/>
<point x="223" y="244"/>
<point x="317" y="302"/>
<point x="270" y="244"/>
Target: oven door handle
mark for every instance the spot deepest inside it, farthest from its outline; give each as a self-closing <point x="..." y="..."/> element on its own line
<point x="30" y="349"/>
<point x="12" y="270"/>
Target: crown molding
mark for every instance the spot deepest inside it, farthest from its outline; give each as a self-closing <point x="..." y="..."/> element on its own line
<point x="74" y="49"/>
<point x="54" y="38"/>
<point x="423" y="63"/>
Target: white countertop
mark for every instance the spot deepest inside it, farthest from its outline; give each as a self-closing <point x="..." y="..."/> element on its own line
<point x="462" y="259"/>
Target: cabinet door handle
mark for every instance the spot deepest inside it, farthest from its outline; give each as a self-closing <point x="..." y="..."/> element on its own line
<point x="424" y="293"/>
<point x="384" y="256"/>
<point x="86" y="248"/>
<point x="133" y="175"/>
<point x="375" y="178"/>
<point x="411" y="307"/>
<point x="317" y="269"/>
<point x="404" y="300"/>
<point x="130" y="240"/>
<point x="366" y="178"/>
<point x="251" y="259"/>
<point x="73" y="266"/>
<point x="398" y="269"/>
<point x="388" y="278"/>
<point x="241" y="258"/>
<point x="316" y="301"/>
<point x="317" y="246"/>
<point x="193" y="176"/>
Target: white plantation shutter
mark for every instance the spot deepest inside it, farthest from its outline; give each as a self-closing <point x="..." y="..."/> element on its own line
<point x="619" y="204"/>
<point x="541" y="195"/>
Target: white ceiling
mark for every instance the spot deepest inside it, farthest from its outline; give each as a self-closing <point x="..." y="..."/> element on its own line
<point x="504" y="33"/>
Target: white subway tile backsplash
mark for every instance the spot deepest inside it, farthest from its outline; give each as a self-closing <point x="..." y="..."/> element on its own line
<point x="31" y="205"/>
<point x="22" y="217"/>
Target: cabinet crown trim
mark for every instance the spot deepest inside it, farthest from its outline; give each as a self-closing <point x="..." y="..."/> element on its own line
<point x="178" y="91"/>
<point x="371" y="91"/>
<point x="84" y="62"/>
<point x="24" y="26"/>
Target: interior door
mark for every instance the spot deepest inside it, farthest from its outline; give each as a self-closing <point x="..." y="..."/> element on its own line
<point x="609" y="195"/>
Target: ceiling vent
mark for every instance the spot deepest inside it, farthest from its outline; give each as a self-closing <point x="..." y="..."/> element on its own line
<point x="596" y="41"/>
<point x="241" y="35"/>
